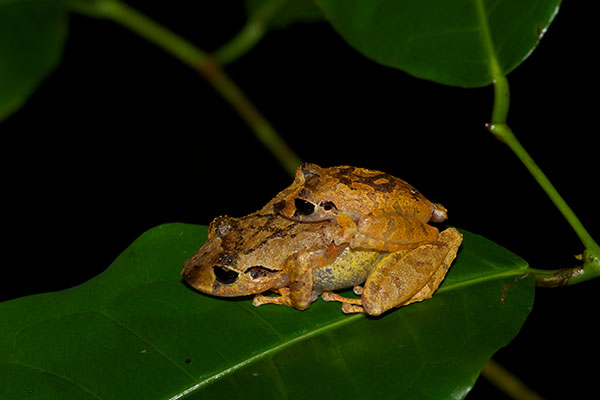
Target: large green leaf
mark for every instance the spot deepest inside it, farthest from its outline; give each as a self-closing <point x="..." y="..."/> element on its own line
<point x="32" y="33"/>
<point x="137" y="332"/>
<point x="454" y="42"/>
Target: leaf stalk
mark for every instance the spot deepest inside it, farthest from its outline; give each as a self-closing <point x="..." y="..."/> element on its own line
<point x="591" y="257"/>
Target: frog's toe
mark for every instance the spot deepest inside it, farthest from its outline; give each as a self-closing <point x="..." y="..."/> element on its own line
<point x="283" y="299"/>
<point x="357" y="290"/>
<point x="348" y="308"/>
<point x="259" y="300"/>
<point x="330" y="296"/>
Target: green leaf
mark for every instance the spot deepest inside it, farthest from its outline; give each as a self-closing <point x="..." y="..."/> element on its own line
<point x="32" y="33"/>
<point x="455" y="42"/>
<point x="287" y="11"/>
<point x="137" y="332"/>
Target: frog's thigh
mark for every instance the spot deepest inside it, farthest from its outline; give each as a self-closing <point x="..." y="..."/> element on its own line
<point x="407" y="276"/>
<point x="436" y="280"/>
<point x="392" y="232"/>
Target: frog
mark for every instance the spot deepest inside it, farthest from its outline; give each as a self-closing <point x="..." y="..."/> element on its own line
<point x="374" y="210"/>
<point x="300" y="261"/>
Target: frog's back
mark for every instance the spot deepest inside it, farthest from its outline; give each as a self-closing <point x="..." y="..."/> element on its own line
<point x="360" y="191"/>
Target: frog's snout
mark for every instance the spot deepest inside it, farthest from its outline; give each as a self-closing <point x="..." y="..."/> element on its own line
<point x="190" y="273"/>
<point x="439" y="213"/>
<point x="198" y="276"/>
<point x="215" y="279"/>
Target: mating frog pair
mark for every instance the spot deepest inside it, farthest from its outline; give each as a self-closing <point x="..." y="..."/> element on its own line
<point x="333" y="228"/>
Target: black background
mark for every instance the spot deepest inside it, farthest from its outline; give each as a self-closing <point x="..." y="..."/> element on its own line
<point x="122" y="137"/>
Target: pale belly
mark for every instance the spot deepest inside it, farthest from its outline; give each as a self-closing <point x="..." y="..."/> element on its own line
<point x="349" y="269"/>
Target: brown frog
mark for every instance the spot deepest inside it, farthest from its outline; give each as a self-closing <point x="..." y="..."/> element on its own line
<point x="374" y="210"/>
<point x="300" y="261"/>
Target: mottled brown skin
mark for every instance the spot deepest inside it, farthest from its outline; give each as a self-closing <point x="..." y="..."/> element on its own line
<point x="256" y="253"/>
<point x="261" y="252"/>
<point x="403" y="277"/>
<point x="374" y="210"/>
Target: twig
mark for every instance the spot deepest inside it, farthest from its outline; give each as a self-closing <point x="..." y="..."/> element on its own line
<point x="507" y="382"/>
<point x="198" y="60"/>
<point x="252" y="32"/>
<point x="591" y="255"/>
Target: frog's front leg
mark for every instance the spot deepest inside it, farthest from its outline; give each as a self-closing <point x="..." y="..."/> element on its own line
<point x="299" y="293"/>
<point x="390" y="232"/>
<point x="283" y="298"/>
<point x="406" y="276"/>
<point x="299" y="267"/>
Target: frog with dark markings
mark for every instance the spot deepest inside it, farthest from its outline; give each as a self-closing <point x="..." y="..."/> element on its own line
<point x="300" y="261"/>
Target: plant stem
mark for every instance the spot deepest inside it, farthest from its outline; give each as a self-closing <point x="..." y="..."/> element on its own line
<point x="507" y="382"/>
<point x="501" y="100"/>
<point x="504" y="133"/>
<point x="591" y="256"/>
<point x="251" y="33"/>
<point x="199" y="61"/>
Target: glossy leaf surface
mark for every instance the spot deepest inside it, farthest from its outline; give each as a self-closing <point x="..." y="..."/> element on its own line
<point x="137" y="332"/>
<point x="454" y="42"/>
<point x="32" y="33"/>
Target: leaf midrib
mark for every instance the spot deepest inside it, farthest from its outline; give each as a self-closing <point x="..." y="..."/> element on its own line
<point x="495" y="69"/>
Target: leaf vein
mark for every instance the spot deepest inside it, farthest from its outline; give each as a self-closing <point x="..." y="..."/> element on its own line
<point x="140" y="337"/>
<point x="63" y="377"/>
<point x="259" y="356"/>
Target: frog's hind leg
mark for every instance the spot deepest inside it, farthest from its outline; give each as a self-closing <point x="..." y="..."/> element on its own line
<point x="434" y="283"/>
<point x="408" y="276"/>
<point x="392" y="232"/>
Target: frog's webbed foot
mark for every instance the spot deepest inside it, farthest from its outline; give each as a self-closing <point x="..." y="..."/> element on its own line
<point x="349" y="306"/>
<point x="283" y="298"/>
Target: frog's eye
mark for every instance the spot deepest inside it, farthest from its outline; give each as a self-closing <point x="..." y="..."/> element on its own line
<point x="225" y="275"/>
<point x="258" y="272"/>
<point x="328" y="205"/>
<point x="303" y="207"/>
